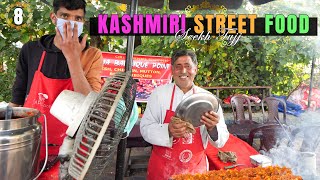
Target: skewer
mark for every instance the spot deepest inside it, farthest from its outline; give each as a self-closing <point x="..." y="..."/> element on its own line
<point x="284" y="129"/>
<point x="233" y="166"/>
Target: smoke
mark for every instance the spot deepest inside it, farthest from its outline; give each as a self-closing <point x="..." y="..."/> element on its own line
<point x="302" y="155"/>
<point x="307" y="127"/>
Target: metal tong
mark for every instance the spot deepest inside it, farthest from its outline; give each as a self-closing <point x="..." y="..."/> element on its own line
<point x="233" y="166"/>
<point x="284" y="129"/>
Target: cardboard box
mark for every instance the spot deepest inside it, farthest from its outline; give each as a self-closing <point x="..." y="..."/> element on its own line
<point x="260" y="160"/>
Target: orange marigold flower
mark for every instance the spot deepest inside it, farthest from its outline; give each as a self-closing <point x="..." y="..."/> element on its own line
<point x="266" y="173"/>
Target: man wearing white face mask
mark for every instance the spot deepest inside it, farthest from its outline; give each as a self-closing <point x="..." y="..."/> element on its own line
<point x="56" y="63"/>
<point x="60" y="23"/>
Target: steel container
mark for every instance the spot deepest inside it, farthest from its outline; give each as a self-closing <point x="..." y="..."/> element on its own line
<point x="194" y="106"/>
<point x="20" y="139"/>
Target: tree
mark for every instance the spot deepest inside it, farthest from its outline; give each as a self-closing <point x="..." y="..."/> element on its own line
<point x="35" y="23"/>
<point x="275" y="61"/>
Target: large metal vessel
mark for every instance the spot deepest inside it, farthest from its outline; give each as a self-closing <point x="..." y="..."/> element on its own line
<point x="20" y="138"/>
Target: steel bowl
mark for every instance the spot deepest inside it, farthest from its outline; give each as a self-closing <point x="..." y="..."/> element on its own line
<point x="194" y="106"/>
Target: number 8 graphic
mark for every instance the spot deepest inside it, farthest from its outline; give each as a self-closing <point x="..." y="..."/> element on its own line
<point x="18" y="18"/>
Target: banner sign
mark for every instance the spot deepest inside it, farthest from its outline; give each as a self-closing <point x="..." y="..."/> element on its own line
<point x="150" y="71"/>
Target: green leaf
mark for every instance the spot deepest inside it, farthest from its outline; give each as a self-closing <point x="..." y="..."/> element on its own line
<point x="44" y="25"/>
<point x="15" y="35"/>
<point x="249" y="47"/>
<point x="2" y="44"/>
<point x="245" y="39"/>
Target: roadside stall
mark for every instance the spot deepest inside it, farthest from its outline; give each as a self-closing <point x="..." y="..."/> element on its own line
<point x="150" y="72"/>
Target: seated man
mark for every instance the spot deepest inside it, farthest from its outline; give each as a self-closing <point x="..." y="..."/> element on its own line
<point x="175" y="151"/>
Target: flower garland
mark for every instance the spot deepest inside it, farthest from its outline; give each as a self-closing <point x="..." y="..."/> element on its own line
<point x="258" y="173"/>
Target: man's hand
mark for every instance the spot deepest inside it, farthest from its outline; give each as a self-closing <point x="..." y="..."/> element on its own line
<point x="72" y="49"/>
<point x="177" y="129"/>
<point x="69" y="44"/>
<point x="210" y="120"/>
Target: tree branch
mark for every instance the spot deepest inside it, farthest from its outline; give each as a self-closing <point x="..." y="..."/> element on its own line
<point x="46" y="2"/>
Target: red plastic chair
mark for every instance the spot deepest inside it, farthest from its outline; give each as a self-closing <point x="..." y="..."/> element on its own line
<point x="269" y="135"/>
<point x="272" y="104"/>
<point x="241" y="106"/>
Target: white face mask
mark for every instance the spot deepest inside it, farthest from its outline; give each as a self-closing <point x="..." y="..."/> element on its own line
<point x="61" y="22"/>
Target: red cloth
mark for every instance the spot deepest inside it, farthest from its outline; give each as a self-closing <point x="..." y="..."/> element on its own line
<point x="227" y="100"/>
<point x="253" y="98"/>
<point x="242" y="149"/>
<point x="314" y="100"/>
<point x="51" y="174"/>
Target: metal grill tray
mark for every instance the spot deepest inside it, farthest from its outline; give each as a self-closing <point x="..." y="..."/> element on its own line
<point x="194" y="106"/>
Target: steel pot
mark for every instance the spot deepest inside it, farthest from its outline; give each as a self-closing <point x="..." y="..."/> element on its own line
<point x="20" y="139"/>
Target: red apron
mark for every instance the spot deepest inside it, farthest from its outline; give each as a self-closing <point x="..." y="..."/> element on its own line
<point x="187" y="154"/>
<point x="41" y="96"/>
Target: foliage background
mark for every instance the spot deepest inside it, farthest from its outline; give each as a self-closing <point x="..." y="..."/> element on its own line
<point x="254" y="61"/>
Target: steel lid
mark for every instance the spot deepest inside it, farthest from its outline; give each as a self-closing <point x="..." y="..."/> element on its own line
<point x="194" y="106"/>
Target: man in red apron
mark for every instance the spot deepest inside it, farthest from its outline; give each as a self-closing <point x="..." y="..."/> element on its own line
<point x="55" y="63"/>
<point x="174" y="150"/>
